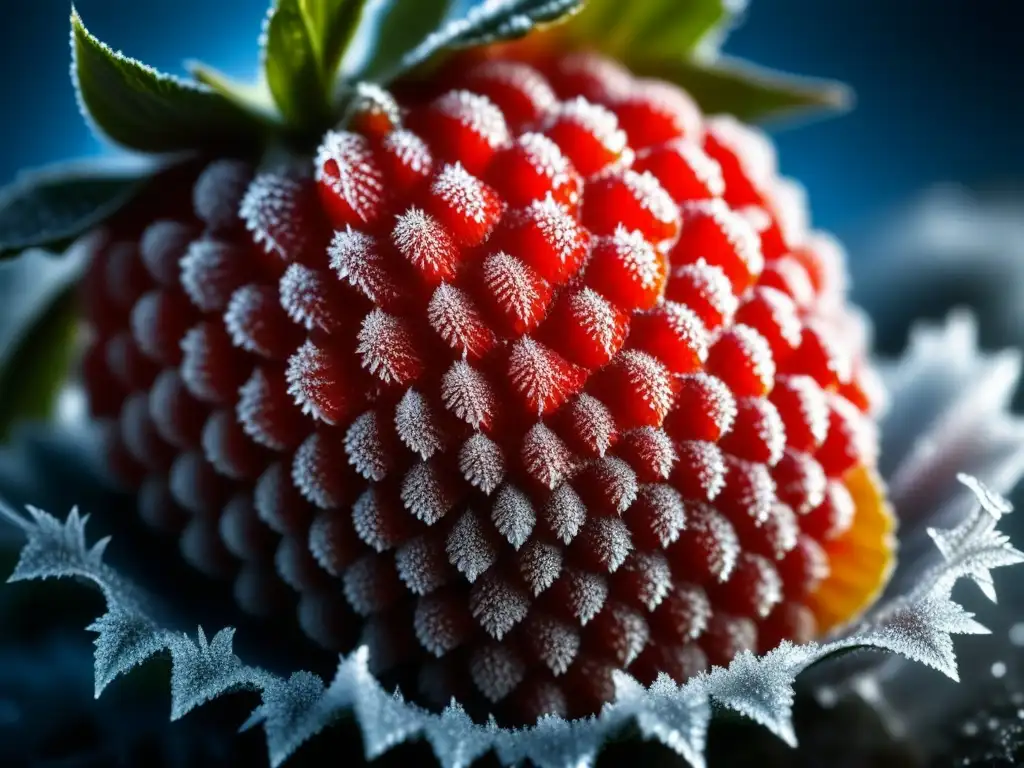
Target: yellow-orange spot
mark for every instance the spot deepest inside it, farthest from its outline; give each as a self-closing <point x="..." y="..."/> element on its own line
<point x="861" y="559"/>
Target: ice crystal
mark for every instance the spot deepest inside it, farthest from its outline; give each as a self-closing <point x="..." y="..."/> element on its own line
<point x="365" y="449"/>
<point x="975" y="547"/>
<point x="639" y="256"/>
<point x="513" y="515"/>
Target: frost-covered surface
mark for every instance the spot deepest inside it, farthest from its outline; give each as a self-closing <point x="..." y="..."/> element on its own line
<point x="920" y="627"/>
<point x="489" y="21"/>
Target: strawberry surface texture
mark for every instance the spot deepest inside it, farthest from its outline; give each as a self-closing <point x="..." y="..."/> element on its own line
<point x="530" y="373"/>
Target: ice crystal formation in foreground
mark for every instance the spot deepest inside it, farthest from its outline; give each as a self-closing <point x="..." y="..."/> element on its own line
<point x="919" y="626"/>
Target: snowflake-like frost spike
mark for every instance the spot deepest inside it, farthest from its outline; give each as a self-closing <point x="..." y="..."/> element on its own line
<point x="204" y="670"/>
<point x="291" y="712"/>
<point x="676" y="715"/>
<point x="975" y="547"/>
<point x="761" y="687"/>
<point x="922" y="631"/>
<point x="125" y="641"/>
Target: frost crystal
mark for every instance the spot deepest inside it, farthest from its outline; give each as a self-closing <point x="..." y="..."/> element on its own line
<point x="417" y="426"/>
<point x="357" y="181"/>
<point x="975" y="547"/>
<point x="514" y="286"/>
<point x="546" y="158"/>
<point x="424" y="493"/>
<point x="597" y="318"/>
<point x="650" y="194"/>
<point x="455" y="318"/>
<point x="356" y="260"/>
<point x="598" y="121"/>
<point x="482" y="463"/>
<point x="365" y="449"/>
<point x="461" y="191"/>
<point x="545" y="456"/>
<point x="594" y="422"/>
<point x="497" y="605"/>
<point x="467" y="394"/>
<point x="555" y="223"/>
<point x="513" y="515"/>
<point x="421" y="239"/>
<point x="470" y="549"/>
<point x="268" y="210"/>
<point x="639" y="256"/>
<point x="564" y="513"/>
<point x="307" y="298"/>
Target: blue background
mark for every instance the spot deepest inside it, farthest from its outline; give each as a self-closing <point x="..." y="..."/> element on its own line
<point x="938" y="83"/>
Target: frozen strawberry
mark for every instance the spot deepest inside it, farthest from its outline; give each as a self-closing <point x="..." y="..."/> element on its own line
<point x="531" y="375"/>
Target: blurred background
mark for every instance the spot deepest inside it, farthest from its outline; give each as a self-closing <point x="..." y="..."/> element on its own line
<point x="924" y="182"/>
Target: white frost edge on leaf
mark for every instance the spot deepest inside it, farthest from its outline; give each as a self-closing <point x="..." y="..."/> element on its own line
<point x="94" y="127"/>
<point x="918" y="626"/>
<point x="504" y="19"/>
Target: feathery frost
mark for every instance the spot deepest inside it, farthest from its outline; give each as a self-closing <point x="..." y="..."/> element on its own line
<point x="918" y="626"/>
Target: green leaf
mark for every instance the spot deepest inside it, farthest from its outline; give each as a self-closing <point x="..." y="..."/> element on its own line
<point x="143" y="109"/>
<point x="676" y="40"/>
<point x="490" y="23"/>
<point x="670" y="28"/>
<point x="40" y="319"/>
<point x="332" y="25"/>
<point x="305" y="42"/>
<point x="750" y="93"/>
<point x="254" y="98"/>
<point x="400" y="26"/>
<point x="49" y="208"/>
